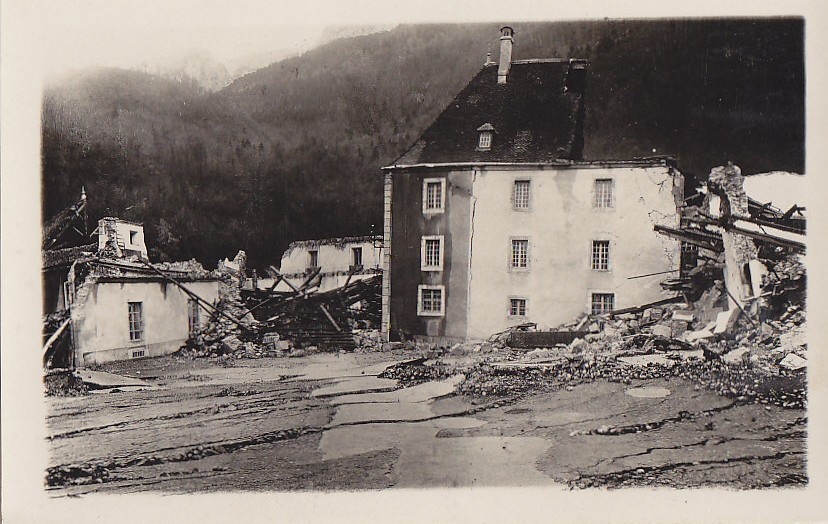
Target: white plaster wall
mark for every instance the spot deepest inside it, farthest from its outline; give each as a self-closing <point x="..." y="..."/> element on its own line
<point x="561" y="226"/>
<point x="102" y="328"/>
<point x="125" y="232"/>
<point x="335" y="261"/>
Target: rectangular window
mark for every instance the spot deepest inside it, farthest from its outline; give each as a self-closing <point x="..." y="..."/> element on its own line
<point x="136" y="321"/>
<point x="603" y="193"/>
<point x="517" y="307"/>
<point x="434" y="195"/>
<point x="600" y="255"/>
<point x="520" y="253"/>
<point x="520" y="194"/>
<point x="431" y="301"/>
<point x="485" y="141"/>
<point x="193" y="320"/>
<point x="602" y="303"/>
<point x="313" y="259"/>
<point x="431" y="253"/>
<point x="356" y="256"/>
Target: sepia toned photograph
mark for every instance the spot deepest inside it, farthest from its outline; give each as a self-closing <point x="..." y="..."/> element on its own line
<point x="323" y="258"/>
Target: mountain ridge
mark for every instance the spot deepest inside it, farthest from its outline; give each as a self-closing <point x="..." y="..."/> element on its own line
<point x="293" y="150"/>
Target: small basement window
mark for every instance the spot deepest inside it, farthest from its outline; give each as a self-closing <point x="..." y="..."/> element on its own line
<point x="517" y="307"/>
<point x="431" y="301"/>
<point x="602" y="303"/>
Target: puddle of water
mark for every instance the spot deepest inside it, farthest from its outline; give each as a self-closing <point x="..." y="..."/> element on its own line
<point x="472" y="461"/>
<point x="345" y="441"/>
<point x="428" y="461"/>
<point x="648" y="392"/>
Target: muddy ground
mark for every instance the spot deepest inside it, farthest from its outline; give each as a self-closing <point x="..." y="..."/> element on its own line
<point x="327" y="421"/>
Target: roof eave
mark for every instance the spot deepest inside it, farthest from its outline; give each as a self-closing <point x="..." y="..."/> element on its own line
<point x="649" y="161"/>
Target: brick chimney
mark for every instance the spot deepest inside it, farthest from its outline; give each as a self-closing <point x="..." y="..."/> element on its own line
<point x="506" y="40"/>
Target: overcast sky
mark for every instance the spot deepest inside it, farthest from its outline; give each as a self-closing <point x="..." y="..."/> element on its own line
<point x="127" y="46"/>
<point x="70" y="34"/>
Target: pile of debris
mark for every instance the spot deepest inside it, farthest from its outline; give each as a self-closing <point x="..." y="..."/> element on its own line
<point x="231" y="331"/>
<point x="413" y="372"/>
<point x="61" y="382"/>
<point x="254" y="323"/>
<point x="736" y="324"/>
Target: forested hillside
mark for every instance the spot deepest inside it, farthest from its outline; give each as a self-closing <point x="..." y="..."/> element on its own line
<point x="293" y="151"/>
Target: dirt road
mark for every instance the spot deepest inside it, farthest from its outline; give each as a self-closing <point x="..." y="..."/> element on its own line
<point x="327" y="421"/>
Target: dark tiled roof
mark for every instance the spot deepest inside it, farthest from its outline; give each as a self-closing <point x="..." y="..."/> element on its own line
<point x="537" y="116"/>
<point x="64" y="257"/>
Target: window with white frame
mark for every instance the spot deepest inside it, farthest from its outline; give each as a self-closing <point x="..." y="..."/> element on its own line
<point x="431" y="253"/>
<point x="603" y="193"/>
<point x="520" y="194"/>
<point x="600" y="255"/>
<point x="517" y="307"/>
<point x="520" y="253"/>
<point x="431" y="300"/>
<point x="485" y="140"/>
<point x="136" y="321"/>
<point x="602" y="303"/>
<point x="193" y="317"/>
<point x="434" y="195"/>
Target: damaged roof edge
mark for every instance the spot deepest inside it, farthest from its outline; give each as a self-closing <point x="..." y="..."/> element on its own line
<point x="334" y="241"/>
<point x="669" y="161"/>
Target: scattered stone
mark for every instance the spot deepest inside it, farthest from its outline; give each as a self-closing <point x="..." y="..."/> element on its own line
<point x="662" y="331"/>
<point x="793" y="362"/>
<point x="684" y="316"/>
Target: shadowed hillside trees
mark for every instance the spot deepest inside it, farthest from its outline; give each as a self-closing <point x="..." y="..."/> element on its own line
<point x="294" y="150"/>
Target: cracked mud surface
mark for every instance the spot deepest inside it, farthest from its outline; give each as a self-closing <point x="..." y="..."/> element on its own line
<point x="328" y="422"/>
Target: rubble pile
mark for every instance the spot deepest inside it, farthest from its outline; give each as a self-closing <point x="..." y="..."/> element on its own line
<point x="221" y="336"/>
<point x="415" y="372"/>
<point x="740" y="330"/>
<point x="192" y="267"/>
<point x="367" y="339"/>
<point x="64" y="383"/>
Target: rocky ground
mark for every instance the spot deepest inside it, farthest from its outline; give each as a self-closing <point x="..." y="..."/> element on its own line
<point x="407" y="418"/>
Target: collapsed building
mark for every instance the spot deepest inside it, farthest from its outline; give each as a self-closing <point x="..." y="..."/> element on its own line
<point x="104" y="301"/>
<point x="493" y="218"/>
<point x="335" y="261"/>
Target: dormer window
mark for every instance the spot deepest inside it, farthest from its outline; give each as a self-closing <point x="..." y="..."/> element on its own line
<point x="484" y="141"/>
